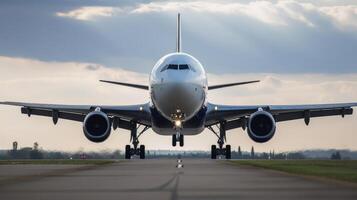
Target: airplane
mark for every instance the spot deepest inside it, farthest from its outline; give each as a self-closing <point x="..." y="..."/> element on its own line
<point x="178" y="107"/>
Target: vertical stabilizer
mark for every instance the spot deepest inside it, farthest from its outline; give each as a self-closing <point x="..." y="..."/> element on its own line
<point x="178" y="36"/>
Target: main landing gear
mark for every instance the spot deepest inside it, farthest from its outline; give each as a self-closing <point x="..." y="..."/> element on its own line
<point x="220" y="151"/>
<point x="134" y="138"/>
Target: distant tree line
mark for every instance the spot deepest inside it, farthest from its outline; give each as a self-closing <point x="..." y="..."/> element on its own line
<point x="36" y="152"/>
<point x="239" y="154"/>
<point x="336" y="156"/>
<point x="24" y="153"/>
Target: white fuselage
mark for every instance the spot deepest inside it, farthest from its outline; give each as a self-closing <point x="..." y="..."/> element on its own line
<point x="178" y="88"/>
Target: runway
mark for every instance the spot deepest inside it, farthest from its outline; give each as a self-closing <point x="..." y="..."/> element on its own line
<point x="160" y="179"/>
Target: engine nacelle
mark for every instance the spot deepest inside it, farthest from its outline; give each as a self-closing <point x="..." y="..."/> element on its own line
<point x="261" y="126"/>
<point x="96" y="126"/>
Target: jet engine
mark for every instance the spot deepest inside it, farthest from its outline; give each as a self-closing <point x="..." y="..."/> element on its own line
<point x="261" y="126"/>
<point x="96" y="126"/>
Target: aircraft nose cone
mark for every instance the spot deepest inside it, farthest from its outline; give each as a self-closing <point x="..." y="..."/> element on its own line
<point x="181" y="98"/>
<point x="178" y="89"/>
<point x="177" y="93"/>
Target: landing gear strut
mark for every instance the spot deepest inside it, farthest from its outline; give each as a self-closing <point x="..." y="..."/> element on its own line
<point x="134" y="138"/>
<point x="220" y="151"/>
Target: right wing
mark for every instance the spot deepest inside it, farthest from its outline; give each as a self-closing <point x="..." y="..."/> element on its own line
<point x="236" y="116"/>
<point x="139" y="113"/>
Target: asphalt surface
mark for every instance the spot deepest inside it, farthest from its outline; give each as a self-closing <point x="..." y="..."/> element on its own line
<point x="161" y="179"/>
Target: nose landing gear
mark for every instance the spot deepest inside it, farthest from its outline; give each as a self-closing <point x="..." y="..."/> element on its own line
<point x="220" y="151"/>
<point x="177" y="138"/>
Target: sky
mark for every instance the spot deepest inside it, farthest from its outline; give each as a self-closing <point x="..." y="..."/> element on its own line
<point x="304" y="51"/>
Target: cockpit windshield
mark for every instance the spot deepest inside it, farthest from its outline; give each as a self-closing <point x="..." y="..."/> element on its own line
<point x="177" y="67"/>
<point x="183" y="67"/>
<point x="172" y="66"/>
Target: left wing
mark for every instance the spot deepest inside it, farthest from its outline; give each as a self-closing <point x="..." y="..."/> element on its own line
<point x="235" y="116"/>
<point x="139" y="113"/>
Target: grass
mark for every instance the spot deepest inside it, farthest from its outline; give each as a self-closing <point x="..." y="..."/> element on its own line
<point x="343" y="170"/>
<point x="56" y="162"/>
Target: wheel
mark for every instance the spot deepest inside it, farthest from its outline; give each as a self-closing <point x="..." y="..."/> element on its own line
<point x="174" y="140"/>
<point x="127" y="152"/>
<point x="228" y="152"/>
<point x="181" y="140"/>
<point x="213" y="152"/>
<point x="142" y="151"/>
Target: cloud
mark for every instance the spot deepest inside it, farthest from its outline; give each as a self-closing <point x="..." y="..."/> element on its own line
<point x="93" y="67"/>
<point x="270" y="12"/>
<point x="288" y="88"/>
<point x="342" y="16"/>
<point x="276" y="13"/>
<point x="89" y="13"/>
<point x="253" y="36"/>
<point x="264" y="11"/>
<point x="69" y="75"/>
<point x="39" y="81"/>
<point x="32" y="80"/>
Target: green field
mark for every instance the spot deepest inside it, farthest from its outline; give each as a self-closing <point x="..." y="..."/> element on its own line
<point x="344" y="170"/>
<point x="56" y="162"/>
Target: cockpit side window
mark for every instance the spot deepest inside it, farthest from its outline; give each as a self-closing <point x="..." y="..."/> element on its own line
<point x="191" y="68"/>
<point x="164" y="68"/>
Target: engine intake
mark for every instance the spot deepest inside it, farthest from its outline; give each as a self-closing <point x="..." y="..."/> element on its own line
<point x="96" y="126"/>
<point x="261" y="126"/>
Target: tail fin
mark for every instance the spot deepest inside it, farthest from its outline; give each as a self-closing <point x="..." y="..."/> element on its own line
<point x="178" y="36"/>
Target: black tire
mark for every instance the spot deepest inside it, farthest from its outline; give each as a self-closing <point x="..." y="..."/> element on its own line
<point x="213" y="152"/>
<point x="142" y="151"/>
<point x="174" y="140"/>
<point x="127" y="152"/>
<point x="228" y="152"/>
<point x="181" y="140"/>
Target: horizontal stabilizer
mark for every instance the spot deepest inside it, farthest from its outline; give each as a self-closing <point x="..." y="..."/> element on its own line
<point x="143" y="87"/>
<point x="231" y="84"/>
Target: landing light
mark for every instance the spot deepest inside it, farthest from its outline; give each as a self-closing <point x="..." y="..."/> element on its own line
<point x="178" y="123"/>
